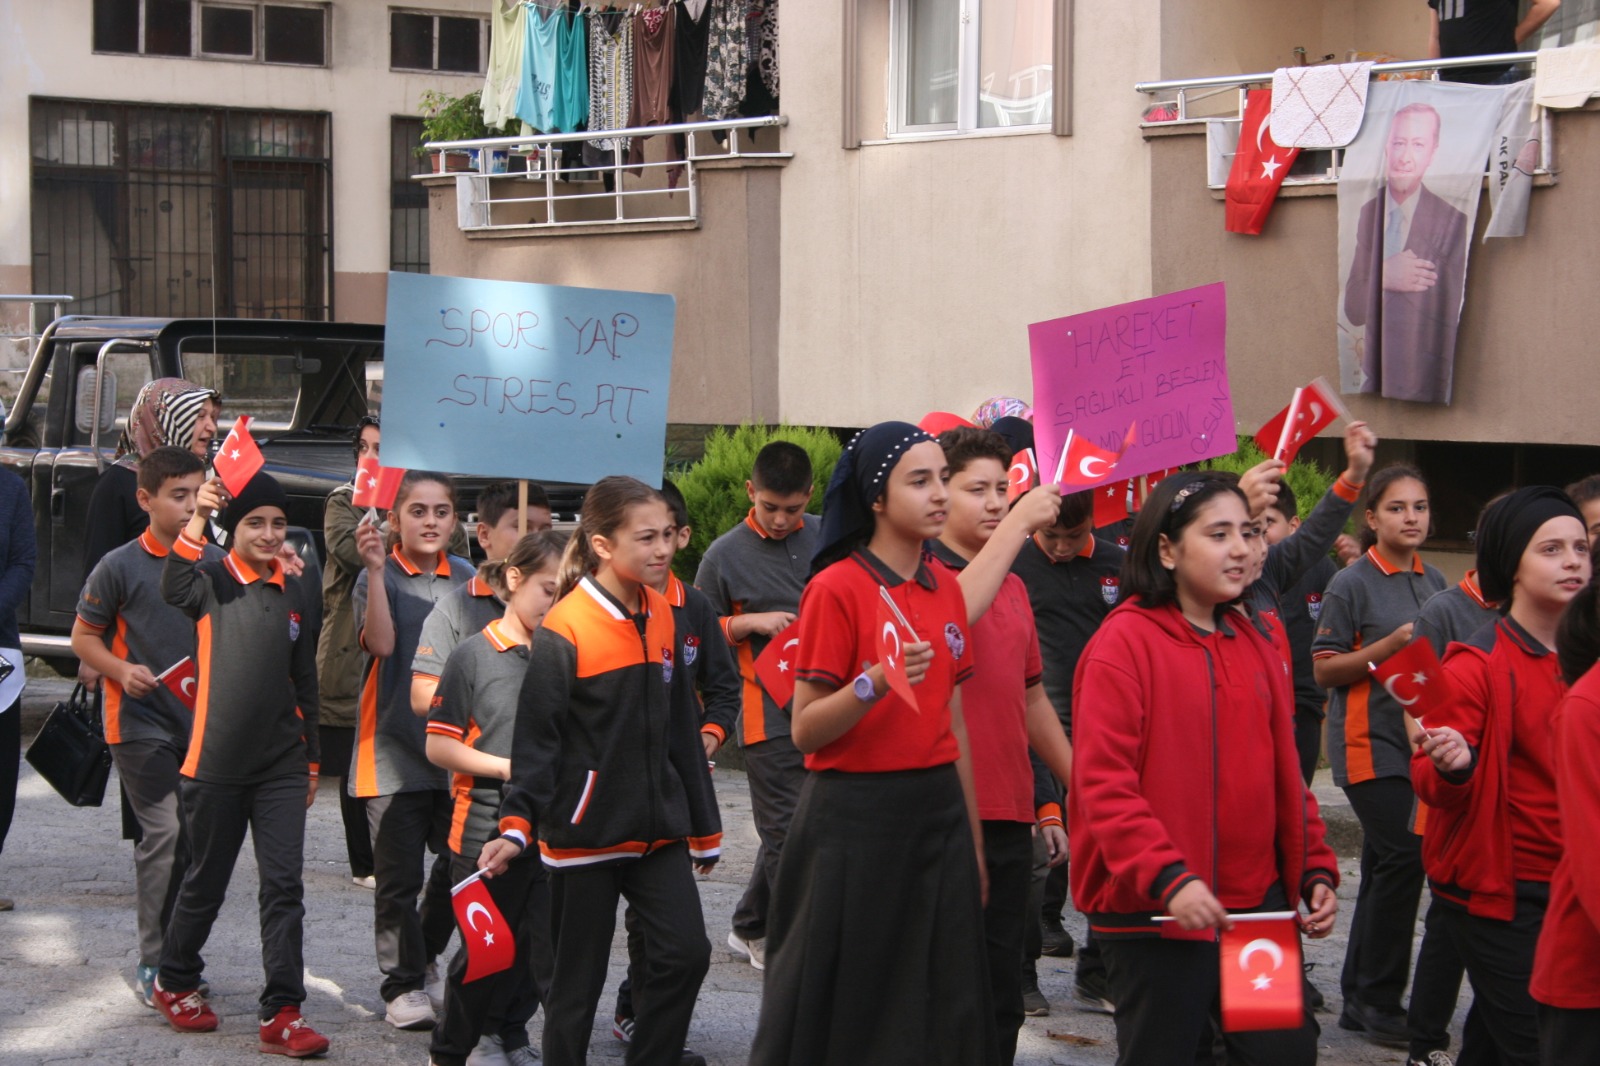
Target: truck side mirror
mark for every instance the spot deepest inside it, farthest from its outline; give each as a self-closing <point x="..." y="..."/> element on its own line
<point x="83" y="411"/>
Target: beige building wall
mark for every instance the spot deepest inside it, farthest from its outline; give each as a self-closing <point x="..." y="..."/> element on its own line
<point x="911" y="269"/>
<point x="46" y="50"/>
<point x="1524" y="358"/>
<point x="724" y="274"/>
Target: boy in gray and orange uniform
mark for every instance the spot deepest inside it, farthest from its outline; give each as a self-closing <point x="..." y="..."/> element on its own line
<point x="253" y="755"/>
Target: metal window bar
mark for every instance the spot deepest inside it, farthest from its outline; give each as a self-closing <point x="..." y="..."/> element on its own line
<point x="546" y="153"/>
<point x="158" y="210"/>
<point x="1241" y="82"/>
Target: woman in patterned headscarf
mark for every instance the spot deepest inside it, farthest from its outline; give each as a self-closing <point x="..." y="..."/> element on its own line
<point x="167" y="411"/>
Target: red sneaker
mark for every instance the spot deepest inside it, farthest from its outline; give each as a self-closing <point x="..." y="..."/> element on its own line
<point x="187" y="1012"/>
<point x="289" y="1034"/>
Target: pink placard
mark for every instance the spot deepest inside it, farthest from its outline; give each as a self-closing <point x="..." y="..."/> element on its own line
<point x="1160" y="364"/>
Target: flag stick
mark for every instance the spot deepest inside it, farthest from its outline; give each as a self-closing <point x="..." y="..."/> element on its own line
<point x="1061" y="463"/>
<point x="883" y="590"/>
<point x="1288" y="423"/>
<point x="1332" y="396"/>
<point x="522" y="508"/>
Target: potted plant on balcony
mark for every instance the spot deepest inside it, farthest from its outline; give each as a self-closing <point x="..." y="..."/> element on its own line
<point x="456" y="118"/>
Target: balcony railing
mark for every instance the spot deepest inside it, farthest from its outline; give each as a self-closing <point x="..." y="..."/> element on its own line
<point x="1321" y="167"/>
<point x="553" y="191"/>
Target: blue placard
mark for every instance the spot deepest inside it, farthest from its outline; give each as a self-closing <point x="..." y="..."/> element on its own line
<point x="511" y="379"/>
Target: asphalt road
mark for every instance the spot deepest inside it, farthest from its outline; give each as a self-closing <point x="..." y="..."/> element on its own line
<point x="67" y="952"/>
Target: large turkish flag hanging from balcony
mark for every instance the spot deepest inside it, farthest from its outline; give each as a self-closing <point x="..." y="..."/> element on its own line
<point x="1259" y="167"/>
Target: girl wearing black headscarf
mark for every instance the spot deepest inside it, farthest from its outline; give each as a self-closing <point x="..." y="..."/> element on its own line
<point x="875" y="945"/>
<point x="1486" y="767"/>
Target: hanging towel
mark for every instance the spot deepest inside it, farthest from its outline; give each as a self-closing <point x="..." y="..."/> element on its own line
<point x="472" y="201"/>
<point x="507" y="45"/>
<point x="1513" y="157"/>
<point x="1319" y="107"/>
<point x="1566" y="77"/>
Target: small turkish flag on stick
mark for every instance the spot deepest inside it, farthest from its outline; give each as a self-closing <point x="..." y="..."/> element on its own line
<point x="376" y="486"/>
<point x="1082" y="465"/>
<point x="490" y="947"/>
<point x="1415" y="679"/>
<point x="182" y="678"/>
<point x="1022" y="475"/>
<point x="1261" y="973"/>
<point x="775" y="664"/>
<point x="1311" y="409"/>
<point x="891" y="646"/>
<point x="239" y="459"/>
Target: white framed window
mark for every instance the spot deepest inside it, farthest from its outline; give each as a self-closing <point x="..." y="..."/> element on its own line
<point x="428" y="41"/>
<point x="959" y="66"/>
<point x="248" y="31"/>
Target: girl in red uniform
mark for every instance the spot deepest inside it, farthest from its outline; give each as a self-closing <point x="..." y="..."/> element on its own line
<point x="1566" y="966"/>
<point x="875" y="943"/>
<point x="1187" y="798"/>
<point x="1487" y="766"/>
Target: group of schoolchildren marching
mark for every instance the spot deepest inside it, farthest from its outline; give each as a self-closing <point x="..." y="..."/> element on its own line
<point x="547" y="722"/>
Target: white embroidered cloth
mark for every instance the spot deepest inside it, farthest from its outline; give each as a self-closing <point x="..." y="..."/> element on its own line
<point x="1319" y="107"/>
<point x="1566" y="77"/>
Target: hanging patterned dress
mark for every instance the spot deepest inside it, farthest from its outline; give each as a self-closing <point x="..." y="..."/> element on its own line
<point x="610" y="84"/>
<point x="726" y="59"/>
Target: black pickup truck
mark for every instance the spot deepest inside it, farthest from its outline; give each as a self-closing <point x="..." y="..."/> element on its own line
<point x="303" y="384"/>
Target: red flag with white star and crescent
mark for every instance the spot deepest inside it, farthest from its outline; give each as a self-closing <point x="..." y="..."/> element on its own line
<point x="1416" y="679"/>
<point x="1261" y="973"/>
<point x="1259" y="167"/>
<point x="775" y="664"/>
<point x="484" y="932"/>
<point x="239" y="459"/>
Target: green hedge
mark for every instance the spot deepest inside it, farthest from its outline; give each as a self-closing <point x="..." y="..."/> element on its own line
<point x="713" y="487"/>
<point x="1308" y="479"/>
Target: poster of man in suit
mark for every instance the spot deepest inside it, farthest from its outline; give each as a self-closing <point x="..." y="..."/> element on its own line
<point x="1408" y="192"/>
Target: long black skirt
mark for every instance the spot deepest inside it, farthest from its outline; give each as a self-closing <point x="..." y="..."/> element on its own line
<point x="875" y="937"/>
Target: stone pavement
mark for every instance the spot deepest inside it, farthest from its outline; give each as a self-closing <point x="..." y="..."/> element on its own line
<point x="67" y="953"/>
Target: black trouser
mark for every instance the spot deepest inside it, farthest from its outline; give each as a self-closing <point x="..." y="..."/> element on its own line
<point x="1378" y="956"/>
<point x="10" y="765"/>
<point x="775" y="769"/>
<point x="1308" y="740"/>
<point x="410" y="935"/>
<point x="1051" y="887"/>
<point x="1435" y="986"/>
<point x="1168" y="996"/>
<point x="215" y="818"/>
<point x="337" y="742"/>
<point x="1008" y="856"/>
<point x="501" y="1003"/>
<point x="1502" y="1027"/>
<point x="1032" y="931"/>
<point x="660" y="888"/>
<point x="1568" y="1036"/>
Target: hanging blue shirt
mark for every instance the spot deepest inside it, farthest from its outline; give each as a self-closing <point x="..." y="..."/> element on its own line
<point x="536" y="100"/>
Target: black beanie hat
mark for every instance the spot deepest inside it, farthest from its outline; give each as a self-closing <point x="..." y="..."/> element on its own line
<point x="1505" y="529"/>
<point x="263" y="490"/>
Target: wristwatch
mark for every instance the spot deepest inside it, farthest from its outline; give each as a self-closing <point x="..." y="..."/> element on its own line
<point x="865" y="690"/>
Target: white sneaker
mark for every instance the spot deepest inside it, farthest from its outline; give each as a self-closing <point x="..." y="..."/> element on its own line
<point x="410" y="1010"/>
<point x="489" y="1052"/>
<point x="754" y="949"/>
<point x="365" y="882"/>
<point x="433" y="985"/>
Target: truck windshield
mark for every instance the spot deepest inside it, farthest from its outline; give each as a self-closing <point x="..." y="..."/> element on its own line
<point x="257" y="378"/>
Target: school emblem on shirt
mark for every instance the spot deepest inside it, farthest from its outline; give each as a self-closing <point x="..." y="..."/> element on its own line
<point x="1123" y="542"/>
<point x="294" y="625"/>
<point x="1314" y="605"/>
<point x="691" y="650"/>
<point x="953" y="638"/>
<point x="1110" y="589"/>
<point x="666" y="665"/>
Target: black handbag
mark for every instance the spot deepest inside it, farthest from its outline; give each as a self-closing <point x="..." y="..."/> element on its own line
<point x="71" y="752"/>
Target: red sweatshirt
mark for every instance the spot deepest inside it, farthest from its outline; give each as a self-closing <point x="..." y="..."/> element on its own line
<point x="1495" y="823"/>
<point x="1184" y="767"/>
<point x="1566" y="967"/>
